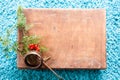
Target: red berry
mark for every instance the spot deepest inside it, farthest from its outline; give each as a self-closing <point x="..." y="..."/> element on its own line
<point x="34" y="47"/>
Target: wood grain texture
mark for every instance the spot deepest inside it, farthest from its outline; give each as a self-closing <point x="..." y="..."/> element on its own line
<point x="76" y="38"/>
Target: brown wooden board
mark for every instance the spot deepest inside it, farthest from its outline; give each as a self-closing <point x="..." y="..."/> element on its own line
<point x="76" y="38"/>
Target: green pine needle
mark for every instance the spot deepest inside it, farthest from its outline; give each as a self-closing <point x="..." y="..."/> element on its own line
<point x="26" y="40"/>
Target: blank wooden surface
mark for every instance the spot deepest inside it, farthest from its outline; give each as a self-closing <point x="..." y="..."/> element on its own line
<point x="76" y="38"/>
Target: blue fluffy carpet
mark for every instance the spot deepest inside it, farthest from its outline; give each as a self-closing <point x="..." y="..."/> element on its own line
<point x="8" y="68"/>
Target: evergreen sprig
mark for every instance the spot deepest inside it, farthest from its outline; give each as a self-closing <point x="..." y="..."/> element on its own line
<point x="7" y="44"/>
<point x="26" y="39"/>
<point x="21" y="20"/>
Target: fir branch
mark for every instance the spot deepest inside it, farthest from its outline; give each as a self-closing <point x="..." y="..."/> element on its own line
<point x="21" y="20"/>
<point x="26" y="40"/>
